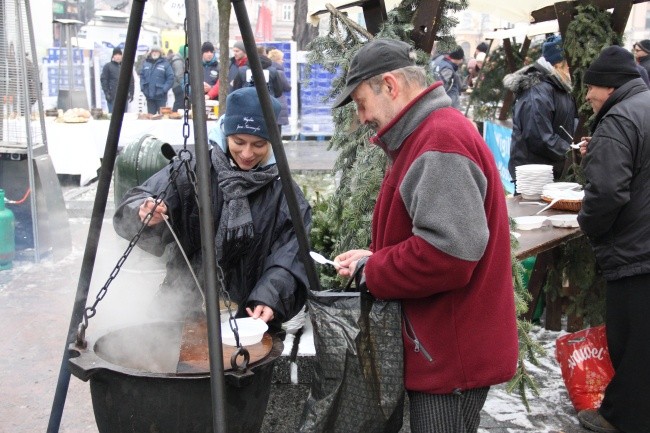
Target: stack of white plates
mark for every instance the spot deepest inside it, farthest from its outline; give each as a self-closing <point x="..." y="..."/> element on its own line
<point x="531" y="178"/>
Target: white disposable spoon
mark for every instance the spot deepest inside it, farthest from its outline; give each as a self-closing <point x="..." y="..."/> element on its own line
<point x="322" y="260"/>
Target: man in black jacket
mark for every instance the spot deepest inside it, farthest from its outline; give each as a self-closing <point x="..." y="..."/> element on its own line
<point x="109" y="77"/>
<point x="615" y="216"/>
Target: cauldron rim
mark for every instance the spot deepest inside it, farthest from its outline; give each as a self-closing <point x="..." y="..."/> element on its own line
<point x="85" y="362"/>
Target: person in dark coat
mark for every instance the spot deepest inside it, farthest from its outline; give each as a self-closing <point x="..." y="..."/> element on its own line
<point x="277" y="57"/>
<point x="156" y="79"/>
<point x="642" y="54"/>
<point x="256" y="245"/>
<point x="543" y="103"/>
<point x="210" y="66"/>
<point x="275" y="83"/>
<point x="615" y="216"/>
<point x="445" y="68"/>
<point x="109" y="77"/>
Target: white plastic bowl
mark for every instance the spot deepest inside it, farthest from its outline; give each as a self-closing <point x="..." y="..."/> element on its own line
<point x="565" y="220"/>
<point x="529" y="222"/>
<point x="250" y="331"/>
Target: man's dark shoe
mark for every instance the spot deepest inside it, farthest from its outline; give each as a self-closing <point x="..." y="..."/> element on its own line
<point x="592" y="420"/>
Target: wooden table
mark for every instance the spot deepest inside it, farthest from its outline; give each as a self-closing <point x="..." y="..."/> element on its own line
<point x="543" y="243"/>
<point x="533" y="242"/>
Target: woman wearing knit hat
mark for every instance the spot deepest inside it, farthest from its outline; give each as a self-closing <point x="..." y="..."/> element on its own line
<point x="641" y="51"/>
<point x="543" y="106"/>
<point x="256" y="245"/>
<point x="615" y="216"/>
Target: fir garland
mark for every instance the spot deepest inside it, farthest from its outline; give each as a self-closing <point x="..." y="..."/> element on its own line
<point x="588" y="33"/>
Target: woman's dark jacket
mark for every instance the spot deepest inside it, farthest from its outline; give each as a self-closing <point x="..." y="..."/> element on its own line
<point x="615" y="212"/>
<point x="271" y="273"/>
<point x="543" y="103"/>
<point x="283" y="117"/>
<point x="157" y="78"/>
<point x="645" y="62"/>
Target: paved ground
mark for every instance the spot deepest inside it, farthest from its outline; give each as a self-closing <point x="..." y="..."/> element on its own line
<point x="36" y="302"/>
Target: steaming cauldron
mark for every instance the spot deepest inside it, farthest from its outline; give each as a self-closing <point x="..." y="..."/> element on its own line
<point x="135" y="385"/>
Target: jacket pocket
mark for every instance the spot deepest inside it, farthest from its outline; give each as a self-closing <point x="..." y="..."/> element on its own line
<point x="413" y="338"/>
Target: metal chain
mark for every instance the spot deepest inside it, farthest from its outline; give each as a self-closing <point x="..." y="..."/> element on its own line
<point x="186" y="89"/>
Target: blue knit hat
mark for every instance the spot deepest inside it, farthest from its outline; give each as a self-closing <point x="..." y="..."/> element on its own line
<point x="244" y="113"/>
<point x="552" y="50"/>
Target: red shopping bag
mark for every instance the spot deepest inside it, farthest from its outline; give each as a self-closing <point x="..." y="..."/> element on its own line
<point x="586" y="366"/>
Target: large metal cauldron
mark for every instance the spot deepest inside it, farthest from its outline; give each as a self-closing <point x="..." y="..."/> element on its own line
<point x="135" y="386"/>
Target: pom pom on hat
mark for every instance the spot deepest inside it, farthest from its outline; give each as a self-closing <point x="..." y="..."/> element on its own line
<point x="552" y="50"/>
<point x="614" y="67"/>
<point x="244" y="113"/>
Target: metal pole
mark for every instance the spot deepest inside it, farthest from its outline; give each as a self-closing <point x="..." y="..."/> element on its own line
<point x="22" y="67"/>
<point x="99" y="208"/>
<point x="276" y="140"/>
<point x="206" y="219"/>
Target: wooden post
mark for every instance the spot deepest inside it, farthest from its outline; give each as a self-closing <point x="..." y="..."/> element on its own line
<point x="512" y="67"/>
<point x="426" y="21"/>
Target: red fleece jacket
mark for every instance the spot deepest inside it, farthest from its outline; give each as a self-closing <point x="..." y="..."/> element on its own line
<point x="460" y="326"/>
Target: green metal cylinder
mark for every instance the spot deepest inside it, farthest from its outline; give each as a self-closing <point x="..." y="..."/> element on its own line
<point x="7" y="234"/>
<point x="138" y="162"/>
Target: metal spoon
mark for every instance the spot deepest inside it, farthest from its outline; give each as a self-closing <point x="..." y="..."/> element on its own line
<point x="322" y="260"/>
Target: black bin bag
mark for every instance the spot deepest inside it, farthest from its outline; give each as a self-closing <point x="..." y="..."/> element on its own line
<point x="358" y="383"/>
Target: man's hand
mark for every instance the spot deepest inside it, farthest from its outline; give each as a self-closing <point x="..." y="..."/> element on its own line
<point x="348" y="261"/>
<point x="261" y="312"/>
<point x="583" y="147"/>
<point x="147" y="206"/>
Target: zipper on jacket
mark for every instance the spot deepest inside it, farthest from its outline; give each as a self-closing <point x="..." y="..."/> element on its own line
<point x="410" y="333"/>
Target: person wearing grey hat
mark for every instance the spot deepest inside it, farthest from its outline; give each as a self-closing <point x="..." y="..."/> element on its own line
<point x="156" y="79"/>
<point x="256" y="245"/>
<point x="445" y="68"/>
<point x="544" y="111"/>
<point x="440" y="208"/>
<point x="615" y="216"/>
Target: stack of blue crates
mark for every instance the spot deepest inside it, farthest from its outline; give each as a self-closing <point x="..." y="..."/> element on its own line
<point x="315" y="107"/>
<point x="56" y="64"/>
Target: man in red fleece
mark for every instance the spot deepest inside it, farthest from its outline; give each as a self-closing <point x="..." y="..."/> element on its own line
<point x="440" y="240"/>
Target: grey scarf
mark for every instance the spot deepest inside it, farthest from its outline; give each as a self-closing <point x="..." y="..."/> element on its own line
<point x="235" y="232"/>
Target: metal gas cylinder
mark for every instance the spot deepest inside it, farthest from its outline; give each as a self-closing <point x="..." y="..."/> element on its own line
<point x="7" y="234"/>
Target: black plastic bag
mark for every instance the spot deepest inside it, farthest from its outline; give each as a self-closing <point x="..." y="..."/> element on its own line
<point x="358" y="383"/>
